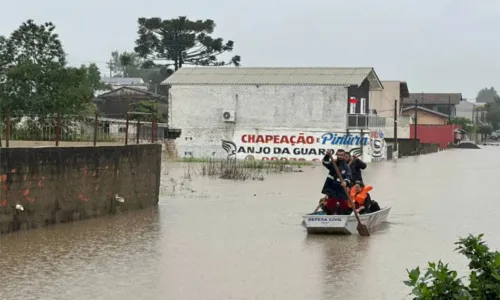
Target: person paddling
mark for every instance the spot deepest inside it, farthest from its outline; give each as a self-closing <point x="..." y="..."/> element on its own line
<point x="336" y="202"/>
<point x="356" y="166"/>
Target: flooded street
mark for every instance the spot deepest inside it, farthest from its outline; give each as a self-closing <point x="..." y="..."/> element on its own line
<point x="214" y="239"/>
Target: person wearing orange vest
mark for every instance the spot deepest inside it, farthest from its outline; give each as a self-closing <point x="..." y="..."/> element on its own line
<point x="360" y="196"/>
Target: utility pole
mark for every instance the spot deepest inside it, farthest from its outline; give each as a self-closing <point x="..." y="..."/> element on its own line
<point x="415" y="132"/>
<point x="449" y="109"/>
<point x="110" y="67"/>
<point x="395" y="147"/>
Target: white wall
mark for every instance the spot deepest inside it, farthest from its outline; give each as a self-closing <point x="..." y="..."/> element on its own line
<point x="465" y="109"/>
<point x="403" y="127"/>
<point x="197" y="111"/>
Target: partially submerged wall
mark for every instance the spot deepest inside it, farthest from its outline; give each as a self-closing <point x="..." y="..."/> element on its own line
<point x="64" y="184"/>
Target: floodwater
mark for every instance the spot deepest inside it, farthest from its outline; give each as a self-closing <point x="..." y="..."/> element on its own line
<point x="213" y="239"/>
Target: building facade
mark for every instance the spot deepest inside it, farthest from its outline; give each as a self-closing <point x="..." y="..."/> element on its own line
<point x="465" y="109"/>
<point x="273" y="113"/>
<point x="425" y="116"/>
<point x="444" y="103"/>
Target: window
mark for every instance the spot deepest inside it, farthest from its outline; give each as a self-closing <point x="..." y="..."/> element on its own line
<point x="352" y="108"/>
<point x="362" y="106"/>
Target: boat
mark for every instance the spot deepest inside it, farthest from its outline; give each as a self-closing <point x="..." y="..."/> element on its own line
<point x="344" y="224"/>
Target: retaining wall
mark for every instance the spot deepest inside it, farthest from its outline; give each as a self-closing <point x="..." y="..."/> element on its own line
<point x="62" y="184"/>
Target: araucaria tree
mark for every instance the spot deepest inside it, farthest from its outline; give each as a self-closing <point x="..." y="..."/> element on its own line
<point x="178" y="42"/>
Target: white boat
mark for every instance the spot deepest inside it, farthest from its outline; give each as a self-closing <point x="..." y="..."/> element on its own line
<point x="344" y="224"/>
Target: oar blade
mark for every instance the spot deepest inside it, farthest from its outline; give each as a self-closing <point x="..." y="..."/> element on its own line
<point x="363" y="230"/>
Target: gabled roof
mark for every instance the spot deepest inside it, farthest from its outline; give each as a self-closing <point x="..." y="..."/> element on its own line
<point x="122" y="80"/>
<point x="127" y="90"/>
<point x="411" y="108"/>
<point x="273" y="76"/>
<point x="433" y="98"/>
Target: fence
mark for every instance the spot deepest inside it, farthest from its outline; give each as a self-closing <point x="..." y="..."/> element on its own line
<point x="360" y="121"/>
<point x="72" y="130"/>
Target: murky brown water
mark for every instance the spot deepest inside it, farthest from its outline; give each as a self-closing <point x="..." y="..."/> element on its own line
<point x="227" y="240"/>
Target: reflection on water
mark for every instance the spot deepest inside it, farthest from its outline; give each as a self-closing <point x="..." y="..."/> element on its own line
<point x="213" y="239"/>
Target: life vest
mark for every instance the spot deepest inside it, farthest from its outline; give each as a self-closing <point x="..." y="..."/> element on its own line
<point x="360" y="197"/>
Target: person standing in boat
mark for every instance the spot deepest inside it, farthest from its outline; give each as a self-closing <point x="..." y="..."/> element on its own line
<point x="356" y="165"/>
<point x="334" y="190"/>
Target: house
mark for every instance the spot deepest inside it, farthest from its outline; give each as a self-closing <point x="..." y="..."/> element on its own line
<point x="272" y="113"/>
<point x="465" y="109"/>
<point x="444" y="103"/>
<point x="425" y="116"/>
<point x="383" y="100"/>
<point x="113" y="107"/>
<point x="479" y="113"/>
<point x="118" y="82"/>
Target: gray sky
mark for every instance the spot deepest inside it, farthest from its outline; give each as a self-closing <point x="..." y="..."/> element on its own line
<point x="435" y="45"/>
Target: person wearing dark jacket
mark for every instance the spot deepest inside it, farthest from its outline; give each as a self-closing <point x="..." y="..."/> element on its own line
<point x="356" y="166"/>
<point x="333" y="188"/>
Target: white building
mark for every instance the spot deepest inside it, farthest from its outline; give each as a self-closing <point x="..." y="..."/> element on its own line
<point x="275" y="113"/>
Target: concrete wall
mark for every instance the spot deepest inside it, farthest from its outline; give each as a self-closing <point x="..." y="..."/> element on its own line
<point x="465" y="110"/>
<point x="275" y="110"/>
<point x="427" y="118"/>
<point x="442" y="135"/>
<point x="383" y="101"/>
<point x="65" y="184"/>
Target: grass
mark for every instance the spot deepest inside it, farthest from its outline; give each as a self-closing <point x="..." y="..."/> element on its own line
<point x="240" y="170"/>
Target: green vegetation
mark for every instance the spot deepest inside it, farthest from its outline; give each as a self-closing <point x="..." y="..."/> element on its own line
<point x="36" y="84"/>
<point x="239" y="169"/>
<point x="439" y="282"/>
<point x="465" y="123"/>
<point x="180" y="41"/>
<point x="486" y="95"/>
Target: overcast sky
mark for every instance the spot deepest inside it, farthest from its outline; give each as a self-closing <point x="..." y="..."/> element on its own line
<point x="434" y="45"/>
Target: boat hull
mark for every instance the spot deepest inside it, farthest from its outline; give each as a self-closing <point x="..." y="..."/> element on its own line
<point x="342" y="224"/>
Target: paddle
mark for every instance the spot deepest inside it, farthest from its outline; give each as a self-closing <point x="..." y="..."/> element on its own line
<point x="362" y="229"/>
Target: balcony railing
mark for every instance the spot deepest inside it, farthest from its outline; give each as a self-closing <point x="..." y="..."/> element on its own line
<point x="359" y="121"/>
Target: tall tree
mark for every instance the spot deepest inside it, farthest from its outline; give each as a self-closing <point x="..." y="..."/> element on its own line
<point x="493" y="112"/>
<point x="34" y="78"/>
<point x="486" y="95"/>
<point x="178" y="42"/>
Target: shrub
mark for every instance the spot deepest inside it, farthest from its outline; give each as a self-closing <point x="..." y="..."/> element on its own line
<point x="440" y="282"/>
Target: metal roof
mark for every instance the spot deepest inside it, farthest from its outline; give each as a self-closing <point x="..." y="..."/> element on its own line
<point x="272" y="76"/>
<point x="122" y="80"/>
<point x="434" y="98"/>
<point x="410" y="108"/>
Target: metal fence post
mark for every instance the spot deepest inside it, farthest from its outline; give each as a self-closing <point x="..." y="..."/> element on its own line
<point x="58" y="128"/>
<point x="138" y="131"/>
<point x="96" y="123"/>
<point x="126" y="129"/>
<point x="7" y="130"/>
<point x="153" y="130"/>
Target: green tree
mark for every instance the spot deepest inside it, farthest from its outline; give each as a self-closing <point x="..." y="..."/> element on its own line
<point x="150" y="108"/>
<point x="440" y="282"/>
<point x="178" y="42"/>
<point x="35" y="81"/>
<point x="493" y="113"/>
<point x="465" y="123"/>
<point x="26" y="57"/>
<point x="486" y="95"/>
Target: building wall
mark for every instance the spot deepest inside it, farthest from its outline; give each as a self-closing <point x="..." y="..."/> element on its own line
<point x="61" y="184"/>
<point x="383" y="101"/>
<point x="427" y="118"/>
<point x="269" y="110"/>
<point x="434" y="134"/>
<point x="441" y="108"/>
<point x="465" y="110"/>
